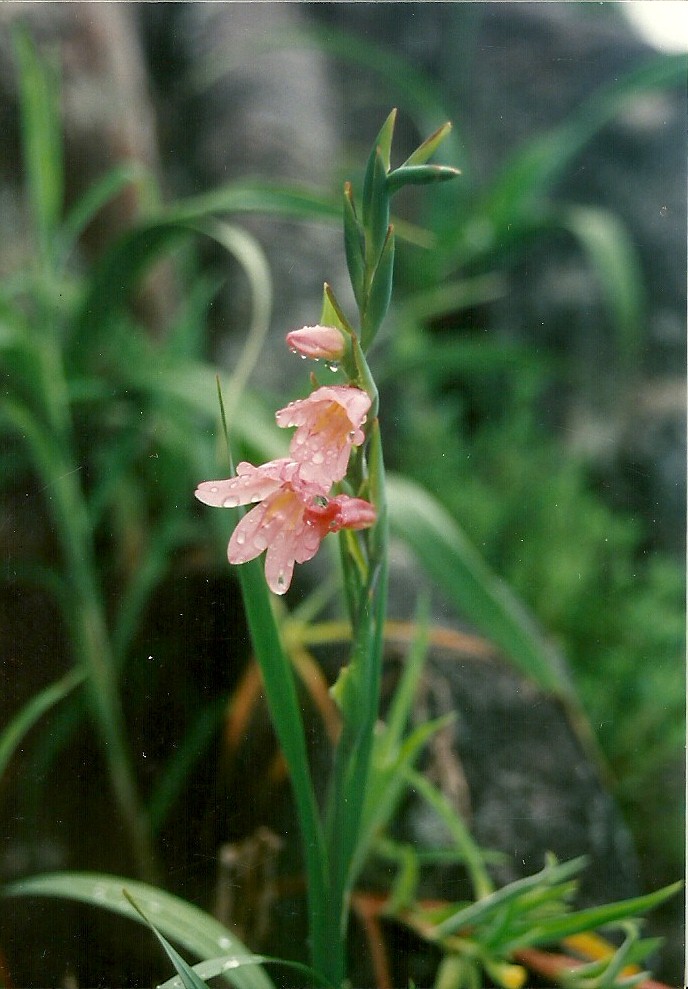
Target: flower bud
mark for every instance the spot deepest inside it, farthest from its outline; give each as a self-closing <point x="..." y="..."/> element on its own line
<point x="325" y="343"/>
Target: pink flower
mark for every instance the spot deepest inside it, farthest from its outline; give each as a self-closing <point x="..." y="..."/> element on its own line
<point x="328" y="426"/>
<point x="250" y="484"/>
<point x="318" y="342"/>
<point x="290" y="522"/>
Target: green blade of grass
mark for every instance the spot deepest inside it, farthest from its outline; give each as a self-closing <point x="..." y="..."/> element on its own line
<point x="285" y="714"/>
<point x="552" y="874"/>
<point x="594" y="918"/>
<point x="41" y="139"/>
<point x="531" y="172"/>
<point x="615" y="265"/>
<point x="189" y="978"/>
<point x="184" y="923"/>
<point x="459" y="571"/>
<point x="228" y="963"/>
<point x="110" y="185"/>
<point x="32" y="712"/>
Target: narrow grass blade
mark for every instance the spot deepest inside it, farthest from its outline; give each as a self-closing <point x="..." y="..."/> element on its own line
<point x="552" y="874"/>
<point x="285" y="714"/>
<point x="32" y="712"/>
<point x="465" y="845"/>
<point x="230" y="963"/>
<point x="615" y="265"/>
<point x="531" y="172"/>
<point x="594" y="918"/>
<point x="442" y="548"/>
<point x="189" y="978"/>
<point x="184" y="923"/>
<point x="105" y="189"/>
<point x="41" y="138"/>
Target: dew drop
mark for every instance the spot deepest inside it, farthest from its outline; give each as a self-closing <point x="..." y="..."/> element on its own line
<point x="230" y="502"/>
<point x="225" y="943"/>
<point x="317" y="457"/>
<point x="213" y="490"/>
<point x="333" y="367"/>
<point x="293" y="350"/>
<point x="260" y="542"/>
<point x="281" y="581"/>
<point x="241" y="538"/>
<point x="303" y="357"/>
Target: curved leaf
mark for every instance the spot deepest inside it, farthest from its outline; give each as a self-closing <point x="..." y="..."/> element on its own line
<point x="30" y="714"/>
<point x="184" y="923"/>
<point x="463" y="576"/>
<point x="229" y="963"/>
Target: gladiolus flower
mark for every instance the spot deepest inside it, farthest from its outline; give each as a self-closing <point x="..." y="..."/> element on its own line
<point x="290" y="522"/>
<point x="328" y="426"/>
<point x="318" y="342"/>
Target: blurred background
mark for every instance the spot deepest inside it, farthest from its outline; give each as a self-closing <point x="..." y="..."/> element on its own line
<point x="532" y="371"/>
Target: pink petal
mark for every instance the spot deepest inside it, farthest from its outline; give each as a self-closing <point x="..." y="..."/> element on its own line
<point x="278" y="525"/>
<point x="318" y="342"/>
<point x="327" y="427"/>
<point x="250" y="484"/>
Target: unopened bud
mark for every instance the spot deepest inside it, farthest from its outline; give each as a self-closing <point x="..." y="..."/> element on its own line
<point x="324" y="343"/>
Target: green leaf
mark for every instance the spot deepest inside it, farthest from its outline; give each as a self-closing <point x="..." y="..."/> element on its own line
<point x="380" y="292"/>
<point x="332" y="313"/>
<point x="285" y="714"/>
<point x="191" y="749"/>
<point x="465" y="845"/>
<point x="418" y="519"/>
<point x="428" y="147"/>
<point x="32" y="712"/>
<point x="419" y="175"/>
<point x="405" y="692"/>
<point x="354" y="246"/>
<point x="105" y="189"/>
<point x="189" y="978"/>
<point x="375" y="211"/>
<point x="615" y="265"/>
<point x="552" y="874"/>
<point x="529" y="174"/>
<point x="228" y="963"/>
<point x="184" y="923"/>
<point x="387" y="783"/>
<point x="383" y="144"/>
<point x="593" y="918"/>
<point x="41" y="138"/>
<point x="120" y="269"/>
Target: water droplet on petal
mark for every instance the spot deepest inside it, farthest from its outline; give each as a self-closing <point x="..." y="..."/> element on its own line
<point x="281" y="579"/>
<point x="241" y="538"/>
<point x="317" y="457"/>
<point x="259" y="541"/>
<point x="231" y="502"/>
<point x="214" y="489"/>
